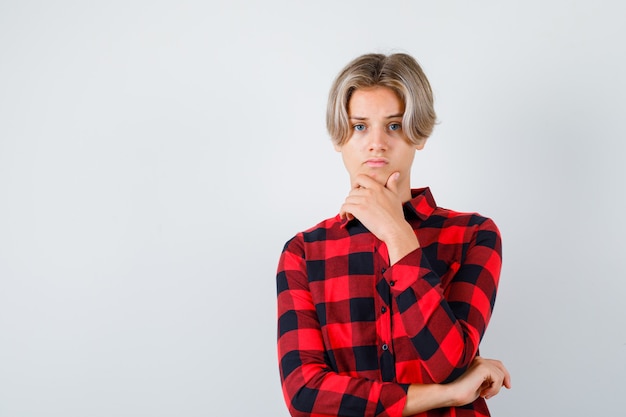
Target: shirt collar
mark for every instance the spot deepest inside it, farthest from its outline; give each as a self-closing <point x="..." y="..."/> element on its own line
<point x="422" y="204"/>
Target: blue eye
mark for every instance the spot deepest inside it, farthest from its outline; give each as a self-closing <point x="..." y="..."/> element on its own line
<point x="395" y="126"/>
<point x="359" y="127"/>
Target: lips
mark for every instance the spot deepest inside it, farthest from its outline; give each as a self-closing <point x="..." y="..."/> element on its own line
<point x="376" y="162"/>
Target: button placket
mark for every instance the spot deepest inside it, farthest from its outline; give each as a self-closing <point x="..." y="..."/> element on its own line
<point x="384" y="315"/>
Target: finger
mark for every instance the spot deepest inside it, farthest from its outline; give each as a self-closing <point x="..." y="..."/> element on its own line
<point x="491" y="391"/>
<point x="506" y="376"/>
<point x="354" y="204"/>
<point x="392" y="182"/>
<point x="345" y="212"/>
<point x="345" y="215"/>
<point x="364" y="181"/>
<point x="507" y="379"/>
<point x="496" y="381"/>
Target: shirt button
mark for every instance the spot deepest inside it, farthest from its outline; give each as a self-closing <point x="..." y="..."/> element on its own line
<point x="385" y="347"/>
<point x="392" y="283"/>
<point x="383" y="310"/>
<point x="382" y="270"/>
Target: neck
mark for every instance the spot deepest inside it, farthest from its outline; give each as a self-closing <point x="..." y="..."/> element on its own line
<point x="405" y="194"/>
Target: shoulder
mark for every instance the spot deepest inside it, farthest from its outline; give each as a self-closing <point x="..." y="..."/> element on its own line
<point x="328" y="229"/>
<point x="468" y="228"/>
<point x="478" y="231"/>
<point x="447" y="217"/>
<point x="424" y="206"/>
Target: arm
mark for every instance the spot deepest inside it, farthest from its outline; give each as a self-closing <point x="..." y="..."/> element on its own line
<point x="444" y="323"/>
<point x="484" y="378"/>
<point x="310" y="385"/>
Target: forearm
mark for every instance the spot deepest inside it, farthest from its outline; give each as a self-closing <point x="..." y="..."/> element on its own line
<point x="424" y="397"/>
<point x="427" y="325"/>
<point x="401" y="242"/>
<point x="313" y="382"/>
<point x="445" y="309"/>
<point x="484" y="378"/>
<point x="330" y="394"/>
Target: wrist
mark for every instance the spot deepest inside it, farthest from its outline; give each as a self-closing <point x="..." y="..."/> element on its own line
<point x="450" y="392"/>
<point x="424" y="397"/>
<point x="401" y="244"/>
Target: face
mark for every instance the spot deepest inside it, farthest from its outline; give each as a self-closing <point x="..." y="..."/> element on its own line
<point x="377" y="146"/>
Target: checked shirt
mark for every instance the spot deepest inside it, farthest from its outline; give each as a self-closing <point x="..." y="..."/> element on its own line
<point x="354" y="332"/>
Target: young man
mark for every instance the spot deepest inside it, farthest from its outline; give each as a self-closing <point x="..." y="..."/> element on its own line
<point x="381" y="309"/>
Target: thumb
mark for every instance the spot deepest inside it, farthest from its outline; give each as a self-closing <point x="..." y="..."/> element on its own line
<point x="392" y="182"/>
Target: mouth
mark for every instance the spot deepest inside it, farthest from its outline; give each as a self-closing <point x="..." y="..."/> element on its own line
<point x="376" y="162"/>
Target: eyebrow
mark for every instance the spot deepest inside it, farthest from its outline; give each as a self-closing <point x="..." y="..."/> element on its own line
<point x="393" y="116"/>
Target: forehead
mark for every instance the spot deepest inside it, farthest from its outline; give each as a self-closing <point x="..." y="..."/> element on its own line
<point x="376" y="100"/>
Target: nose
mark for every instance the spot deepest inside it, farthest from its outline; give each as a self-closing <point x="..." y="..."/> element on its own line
<point x="377" y="140"/>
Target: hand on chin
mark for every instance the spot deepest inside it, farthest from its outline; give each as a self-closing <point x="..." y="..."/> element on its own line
<point x="379" y="175"/>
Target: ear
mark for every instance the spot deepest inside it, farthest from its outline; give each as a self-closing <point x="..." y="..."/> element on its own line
<point x="420" y="144"/>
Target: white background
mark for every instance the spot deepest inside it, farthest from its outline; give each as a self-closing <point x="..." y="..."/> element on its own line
<point x="155" y="156"/>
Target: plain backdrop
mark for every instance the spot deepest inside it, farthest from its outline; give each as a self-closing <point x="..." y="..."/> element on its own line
<point x="156" y="155"/>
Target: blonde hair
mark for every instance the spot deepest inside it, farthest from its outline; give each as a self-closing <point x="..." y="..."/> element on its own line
<point x="399" y="72"/>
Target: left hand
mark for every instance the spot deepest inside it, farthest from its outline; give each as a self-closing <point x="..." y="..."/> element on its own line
<point x="484" y="378"/>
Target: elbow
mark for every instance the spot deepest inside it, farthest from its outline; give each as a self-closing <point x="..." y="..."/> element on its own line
<point x="301" y="402"/>
<point x="446" y="367"/>
<point x="300" y="379"/>
<point x="294" y="412"/>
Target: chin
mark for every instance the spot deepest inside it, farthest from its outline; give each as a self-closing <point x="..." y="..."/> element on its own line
<point x="380" y="175"/>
